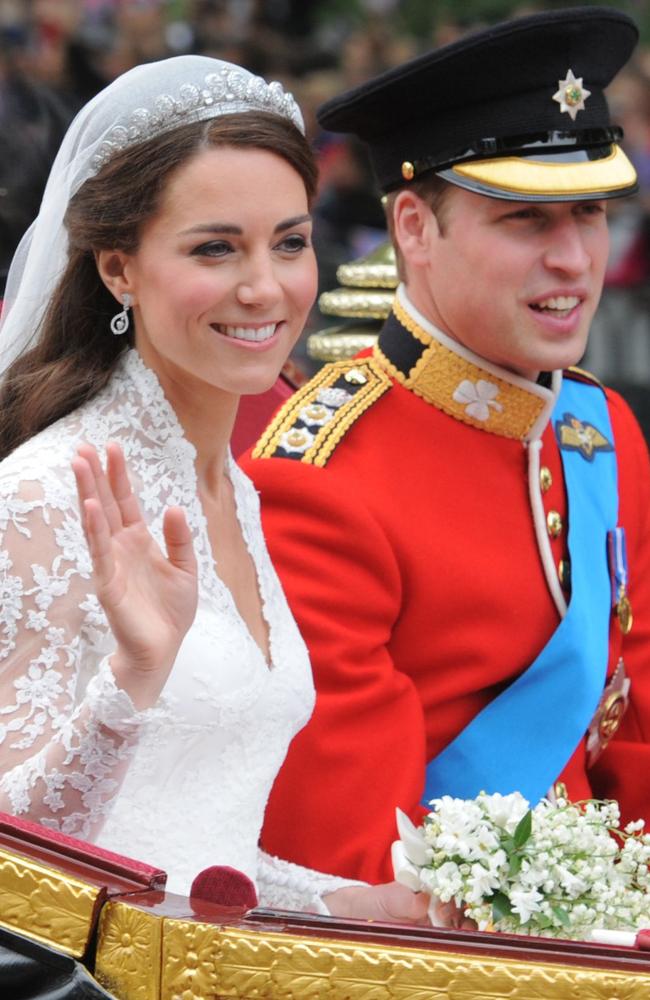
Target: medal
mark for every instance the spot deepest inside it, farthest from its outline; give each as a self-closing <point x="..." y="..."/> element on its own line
<point x="619" y="576"/>
<point x="624" y="612"/>
<point x="609" y="714"/>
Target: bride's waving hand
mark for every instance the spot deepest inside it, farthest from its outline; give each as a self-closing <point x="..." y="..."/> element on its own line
<point x="149" y="597"/>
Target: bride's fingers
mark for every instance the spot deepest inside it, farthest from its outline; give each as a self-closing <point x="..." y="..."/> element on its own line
<point x="120" y="484"/>
<point x="99" y="540"/>
<point x="103" y="490"/>
<point x="85" y="484"/>
<point x="178" y="540"/>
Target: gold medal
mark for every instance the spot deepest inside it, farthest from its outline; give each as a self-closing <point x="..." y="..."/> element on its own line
<point x="624" y="612"/>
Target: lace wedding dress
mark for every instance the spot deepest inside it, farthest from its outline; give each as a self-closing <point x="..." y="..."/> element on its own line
<point x="184" y="784"/>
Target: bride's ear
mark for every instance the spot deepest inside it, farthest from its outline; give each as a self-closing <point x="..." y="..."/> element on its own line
<point x="113" y="269"/>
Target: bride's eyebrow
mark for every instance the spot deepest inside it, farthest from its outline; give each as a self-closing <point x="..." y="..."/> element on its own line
<point x="213" y="227"/>
<point x="228" y="229"/>
<point x="290" y="223"/>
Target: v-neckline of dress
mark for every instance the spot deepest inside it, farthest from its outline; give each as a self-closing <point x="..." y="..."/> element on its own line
<point x="184" y="456"/>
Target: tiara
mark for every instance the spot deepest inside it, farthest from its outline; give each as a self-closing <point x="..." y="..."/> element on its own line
<point x="226" y="92"/>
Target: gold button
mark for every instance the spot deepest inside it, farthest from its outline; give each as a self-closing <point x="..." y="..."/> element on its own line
<point x="545" y="479"/>
<point x="554" y="523"/>
<point x="564" y="572"/>
<point x="408" y="171"/>
<point x="355" y="377"/>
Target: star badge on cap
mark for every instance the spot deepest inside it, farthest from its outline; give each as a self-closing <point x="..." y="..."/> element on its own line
<point x="572" y="95"/>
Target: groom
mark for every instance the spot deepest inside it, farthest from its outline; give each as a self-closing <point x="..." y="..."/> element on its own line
<point x="461" y="523"/>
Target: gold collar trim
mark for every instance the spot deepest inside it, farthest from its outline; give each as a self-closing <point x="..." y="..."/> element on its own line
<point x="459" y="386"/>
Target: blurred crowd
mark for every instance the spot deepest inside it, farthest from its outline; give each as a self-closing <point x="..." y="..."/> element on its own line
<point x="55" y="54"/>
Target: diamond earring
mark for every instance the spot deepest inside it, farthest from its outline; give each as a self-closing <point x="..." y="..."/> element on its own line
<point x="120" y="322"/>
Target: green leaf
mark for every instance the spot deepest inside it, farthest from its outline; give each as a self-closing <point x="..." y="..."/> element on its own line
<point x="524" y="829"/>
<point x="501" y="906"/>
<point x="515" y="865"/>
<point x="561" y="914"/>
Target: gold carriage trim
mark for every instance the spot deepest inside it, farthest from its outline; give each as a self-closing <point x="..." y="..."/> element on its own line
<point x="463" y="389"/>
<point x="200" y="961"/>
<point x="359" y="383"/>
<point x="45" y="904"/>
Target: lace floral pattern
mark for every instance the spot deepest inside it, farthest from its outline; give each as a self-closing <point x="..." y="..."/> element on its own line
<point x="184" y="784"/>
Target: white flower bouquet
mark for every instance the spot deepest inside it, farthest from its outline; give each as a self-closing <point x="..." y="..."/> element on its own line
<point x="560" y="869"/>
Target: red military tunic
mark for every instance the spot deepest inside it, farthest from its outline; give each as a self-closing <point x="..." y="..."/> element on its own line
<point x="400" y="519"/>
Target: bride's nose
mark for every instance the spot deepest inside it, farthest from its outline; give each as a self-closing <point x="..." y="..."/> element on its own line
<point x="258" y="284"/>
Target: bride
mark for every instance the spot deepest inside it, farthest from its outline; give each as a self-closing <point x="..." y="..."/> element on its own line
<point x="151" y="673"/>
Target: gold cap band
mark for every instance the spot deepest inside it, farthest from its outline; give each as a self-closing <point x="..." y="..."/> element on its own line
<point x="529" y="177"/>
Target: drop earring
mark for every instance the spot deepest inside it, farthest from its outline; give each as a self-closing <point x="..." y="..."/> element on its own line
<point x="120" y="322"/>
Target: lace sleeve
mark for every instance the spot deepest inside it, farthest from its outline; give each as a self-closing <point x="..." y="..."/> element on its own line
<point x="283" y="885"/>
<point x="66" y="730"/>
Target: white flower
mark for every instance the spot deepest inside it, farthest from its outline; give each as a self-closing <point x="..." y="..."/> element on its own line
<point x="414" y="843"/>
<point x="478" y="397"/>
<point x="563" y="873"/>
<point x="481" y="882"/>
<point x="505" y="811"/>
<point x="405" y="872"/>
<point x="525" y="902"/>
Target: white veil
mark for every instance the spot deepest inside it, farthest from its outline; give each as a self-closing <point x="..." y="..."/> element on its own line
<point x="143" y="102"/>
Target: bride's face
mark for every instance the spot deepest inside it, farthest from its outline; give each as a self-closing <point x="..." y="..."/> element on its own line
<point x="225" y="274"/>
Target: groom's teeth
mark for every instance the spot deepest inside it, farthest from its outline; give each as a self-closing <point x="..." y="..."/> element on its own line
<point x="257" y="334"/>
<point x="559" y="303"/>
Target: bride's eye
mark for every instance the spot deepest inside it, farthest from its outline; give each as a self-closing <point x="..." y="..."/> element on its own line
<point x="294" y="243"/>
<point x="215" y="248"/>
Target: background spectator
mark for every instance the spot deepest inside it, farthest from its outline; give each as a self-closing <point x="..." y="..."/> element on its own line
<point x="55" y="54"/>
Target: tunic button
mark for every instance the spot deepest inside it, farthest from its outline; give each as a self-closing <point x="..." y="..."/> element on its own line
<point x="545" y="479"/>
<point x="554" y="523"/>
<point x="564" y="572"/>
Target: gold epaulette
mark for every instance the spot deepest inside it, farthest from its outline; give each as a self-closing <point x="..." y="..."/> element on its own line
<point x="316" y="418"/>
<point x="583" y="376"/>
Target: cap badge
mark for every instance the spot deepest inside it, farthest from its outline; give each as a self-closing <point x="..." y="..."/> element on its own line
<point x="572" y="95"/>
<point x="408" y="170"/>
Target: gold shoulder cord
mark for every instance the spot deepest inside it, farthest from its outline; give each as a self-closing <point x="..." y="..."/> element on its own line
<point x="365" y="382"/>
<point x="583" y="373"/>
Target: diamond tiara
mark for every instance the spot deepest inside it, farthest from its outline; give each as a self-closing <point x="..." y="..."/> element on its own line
<point x="228" y="92"/>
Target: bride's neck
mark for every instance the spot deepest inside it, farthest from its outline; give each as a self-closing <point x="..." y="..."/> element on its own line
<point x="207" y="415"/>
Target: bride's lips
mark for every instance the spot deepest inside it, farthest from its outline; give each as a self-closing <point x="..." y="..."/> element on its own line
<point x="251" y="336"/>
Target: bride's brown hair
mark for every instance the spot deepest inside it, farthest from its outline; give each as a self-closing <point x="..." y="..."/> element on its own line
<point x="75" y="352"/>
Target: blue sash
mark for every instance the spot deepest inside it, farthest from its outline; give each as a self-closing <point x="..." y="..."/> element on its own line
<point x="522" y="740"/>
